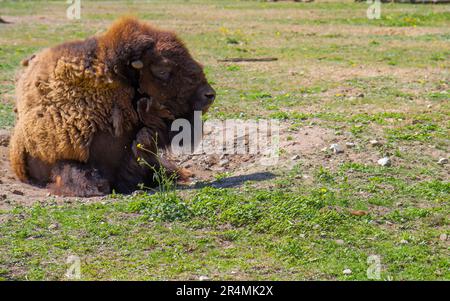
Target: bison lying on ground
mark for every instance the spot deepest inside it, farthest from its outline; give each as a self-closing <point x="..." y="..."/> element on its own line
<point x="77" y="108"/>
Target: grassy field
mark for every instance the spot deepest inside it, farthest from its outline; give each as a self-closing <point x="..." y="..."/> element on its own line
<point x="337" y="73"/>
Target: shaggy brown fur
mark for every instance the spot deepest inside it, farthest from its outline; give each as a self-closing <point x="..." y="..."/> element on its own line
<point x="75" y="103"/>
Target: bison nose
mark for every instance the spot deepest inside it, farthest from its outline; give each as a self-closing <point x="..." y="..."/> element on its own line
<point x="204" y="97"/>
<point x="210" y="96"/>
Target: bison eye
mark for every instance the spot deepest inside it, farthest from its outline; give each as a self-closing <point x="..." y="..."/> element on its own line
<point x="161" y="72"/>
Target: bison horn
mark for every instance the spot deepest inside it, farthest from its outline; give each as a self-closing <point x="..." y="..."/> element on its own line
<point x="137" y="64"/>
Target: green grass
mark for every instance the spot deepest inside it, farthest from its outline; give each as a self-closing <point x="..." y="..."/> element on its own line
<point x="292" y="231"/>
<point x="6" y="115"/>
<point x="357" y="78"/>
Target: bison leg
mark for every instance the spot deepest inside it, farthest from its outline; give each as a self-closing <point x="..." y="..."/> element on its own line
<point x="76" y="179"/>
<point x="142" y="162"/>
<point x="17" y="154"/>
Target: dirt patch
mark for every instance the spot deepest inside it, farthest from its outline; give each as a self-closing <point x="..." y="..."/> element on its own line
<point x="13" y="191"/>
<point x="220" y="157"/>
<point x="232" y="169"/>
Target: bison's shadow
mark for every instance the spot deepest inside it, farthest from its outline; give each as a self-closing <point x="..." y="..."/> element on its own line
<point x="232" y="181"/>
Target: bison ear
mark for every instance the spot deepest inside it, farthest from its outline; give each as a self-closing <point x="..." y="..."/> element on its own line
<point x="138" y="49"/>
<point x="131" y="57"/>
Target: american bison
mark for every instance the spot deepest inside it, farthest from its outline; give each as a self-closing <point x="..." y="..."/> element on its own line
<point x="83" y="106"/>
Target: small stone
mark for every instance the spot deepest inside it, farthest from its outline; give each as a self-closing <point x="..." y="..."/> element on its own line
<point x="224" y="162"/>
<point x="359" y="212"/>
<point x="339" y="241"/>
<point x="203" y="278"/>
<point x="361" y="95"/>
<point x="53" y="226"/>
<point x="443" y="161"/>
<point x="324" y="150"/>
<point x="209" y="161"/>
<point x="375" y="142"/>
<point x="336" y="148"/>
<point x="296" y="157"/>
<point x="385" y="161"/>
<point x="404" y="242"/>
<point x="137" y="192"/>
<point x="17" y="192"/>
<point x="443" y="237"/>
<point x="349" y="144"/>
<point x="347" y="272"/>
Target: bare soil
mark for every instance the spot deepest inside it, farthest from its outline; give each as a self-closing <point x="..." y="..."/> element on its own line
<point x="305" y="144"/>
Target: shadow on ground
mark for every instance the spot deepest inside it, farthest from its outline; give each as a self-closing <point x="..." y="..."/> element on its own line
<point x="232" y="181"/>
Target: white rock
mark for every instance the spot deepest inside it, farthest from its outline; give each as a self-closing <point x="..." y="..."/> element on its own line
<point x="296" y="157"/>
<point x="375" y="142"/>
<point x="385" y="161"/>
<point x="349" y="144"/>
<point x="203" y="278"/>
<point x="339" y="241"/>
<point x="443" y="237"/>
<point x="347" y="272"/>
<point x="404" y="242"/>
<point x="443" y="161"/>
<point x="336" y="148"/>
<point x="53" y="226"/>
<point x="224" y="162"/>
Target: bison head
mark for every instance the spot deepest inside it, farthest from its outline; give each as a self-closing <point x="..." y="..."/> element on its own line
<point x="157" y="64"/>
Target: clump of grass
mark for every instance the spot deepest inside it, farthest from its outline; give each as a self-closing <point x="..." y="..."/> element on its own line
<point x="6" y="115"/>
<point x="161" y="207"/>
<point x="418" y="132"/>
<point x="165" y="204"/>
